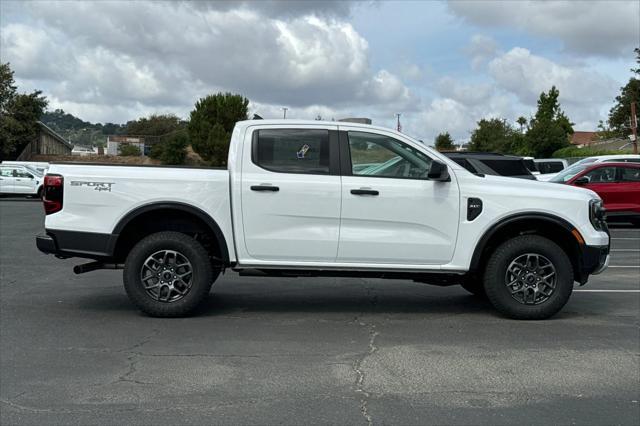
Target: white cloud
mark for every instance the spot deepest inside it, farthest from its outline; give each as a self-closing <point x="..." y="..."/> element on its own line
<point x="605" y="28"/>
<point x="527" y="75"/>
<point x="157" y="53"/>
<point x="481" y="49"/>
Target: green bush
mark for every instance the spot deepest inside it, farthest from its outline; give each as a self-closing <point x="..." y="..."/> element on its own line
<point x="573" y="151"/>
<point x="174" y="150"/>
<point x="127" y="150"/>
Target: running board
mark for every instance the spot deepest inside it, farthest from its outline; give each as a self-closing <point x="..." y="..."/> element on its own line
<point x="94" y="266"/>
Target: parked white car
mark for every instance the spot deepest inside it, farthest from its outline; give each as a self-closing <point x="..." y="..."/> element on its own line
<point x="294" y="202"/>
<point x="20" y="180"/>
<point x="41" y="166"/>
<point x="623" y="158"/>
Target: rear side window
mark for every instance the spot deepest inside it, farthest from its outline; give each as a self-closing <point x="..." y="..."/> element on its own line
<point x="628" y="174"/>
<point x="550" y="166"/>
<point x="292" y="150"/>
<point x="6" y="172"/>
<point x="507" y="167"/>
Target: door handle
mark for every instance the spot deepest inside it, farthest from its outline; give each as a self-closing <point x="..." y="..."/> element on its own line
<point x="265" y="188"/>
<point x="364" y="192"/>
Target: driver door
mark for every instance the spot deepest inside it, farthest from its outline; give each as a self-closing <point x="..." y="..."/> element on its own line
<point x="391" y="213"/>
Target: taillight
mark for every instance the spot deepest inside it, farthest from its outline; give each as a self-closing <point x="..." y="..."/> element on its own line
<point x="53" y="189"/>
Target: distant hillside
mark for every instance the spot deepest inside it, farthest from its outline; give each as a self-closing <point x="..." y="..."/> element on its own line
<point x="78" y="131"/>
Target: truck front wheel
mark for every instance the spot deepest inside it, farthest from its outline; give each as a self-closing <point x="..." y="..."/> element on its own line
<point x="528" y="277"/>
<point x="168" y="274"/>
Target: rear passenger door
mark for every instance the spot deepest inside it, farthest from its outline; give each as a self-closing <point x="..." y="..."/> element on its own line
<point x="290" y="194"/>
<point x="630" y="182"/>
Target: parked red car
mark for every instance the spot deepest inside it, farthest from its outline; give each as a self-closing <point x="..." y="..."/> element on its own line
<point x="618" y="184"/>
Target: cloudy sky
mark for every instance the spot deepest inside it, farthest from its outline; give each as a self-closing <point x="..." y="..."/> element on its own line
<point x="443" y="65"/>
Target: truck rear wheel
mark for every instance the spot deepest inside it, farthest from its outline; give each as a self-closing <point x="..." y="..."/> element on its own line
<point x="528" y="277"/>
<point x="168" y="274"/>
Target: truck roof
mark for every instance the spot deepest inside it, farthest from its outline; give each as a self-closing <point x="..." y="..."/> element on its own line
<point x="289" y="122"/>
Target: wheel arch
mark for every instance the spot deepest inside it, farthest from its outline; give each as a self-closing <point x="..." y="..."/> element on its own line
<point x="550" y="226"/>
<point x="184" y="213"/>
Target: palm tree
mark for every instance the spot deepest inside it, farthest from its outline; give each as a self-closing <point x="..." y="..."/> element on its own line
<point x="521" y="121"/>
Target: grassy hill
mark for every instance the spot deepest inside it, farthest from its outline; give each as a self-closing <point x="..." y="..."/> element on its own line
<point x="78" y="131"/>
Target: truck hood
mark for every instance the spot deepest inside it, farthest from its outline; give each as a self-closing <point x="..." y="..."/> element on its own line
<point x="520" y="188"/>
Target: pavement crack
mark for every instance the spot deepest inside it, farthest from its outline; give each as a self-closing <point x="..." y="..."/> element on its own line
<point x="371" y="349"/>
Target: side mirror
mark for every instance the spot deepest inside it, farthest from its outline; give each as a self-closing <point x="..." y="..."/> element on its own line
<point x="582" y="180"/>
<point x="438" y="172"/>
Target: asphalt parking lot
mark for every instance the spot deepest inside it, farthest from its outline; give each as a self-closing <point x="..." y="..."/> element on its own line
<point x="73" y="350"/>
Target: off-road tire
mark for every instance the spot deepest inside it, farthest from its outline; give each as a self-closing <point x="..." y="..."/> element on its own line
<point x="204" y="274"/>
<point x="496" y="269"/>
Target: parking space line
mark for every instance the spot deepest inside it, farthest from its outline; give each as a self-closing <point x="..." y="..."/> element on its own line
<point x="625" y="249"/>
<point x="624" y="266"/>
<point x="609" y="291"/>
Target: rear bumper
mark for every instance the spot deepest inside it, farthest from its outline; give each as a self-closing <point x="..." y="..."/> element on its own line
<point x="46" y="244"/>
<point x="77" y="244"/>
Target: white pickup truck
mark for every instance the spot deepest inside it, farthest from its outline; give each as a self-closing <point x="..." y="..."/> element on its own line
<point x="312" y="198"/>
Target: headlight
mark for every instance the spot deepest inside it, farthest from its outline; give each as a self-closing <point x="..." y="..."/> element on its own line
<point x="596" y="215"/>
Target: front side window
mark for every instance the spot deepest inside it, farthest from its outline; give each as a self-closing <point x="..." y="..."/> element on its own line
<point x="292" y="150"/>
<point x="21" y="174"/>
<point x="602" y="175"/>
<point x="382" y="156"/>
<point x="629" y="174"/>
<point x="568" y="173"/>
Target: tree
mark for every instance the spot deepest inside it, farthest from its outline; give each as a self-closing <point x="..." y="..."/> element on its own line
<point x="444" y="142"/>
<point x="19" y="114"/>
<point x="173" y="150"/>
<point x="522" y="121"/>
<point x="492" y="135"/>
<point x="620" y="114"/>
<point x="127" y="150"/>
<point x="211" y="124"/>
<point x="550" y="128"/>
<point x="154" y="125"/>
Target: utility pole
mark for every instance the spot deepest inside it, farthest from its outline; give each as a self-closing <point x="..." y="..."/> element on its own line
<point x="634" y="127"/>
<point x="398" y="126"/>
<point x="284" y="112"/>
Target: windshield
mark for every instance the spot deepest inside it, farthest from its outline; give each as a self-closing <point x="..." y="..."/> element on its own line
<point x="567" y="174"/>
<point x="34" y="171"/>
<point x="585" y="161"/>
<point x="531" y="165"/>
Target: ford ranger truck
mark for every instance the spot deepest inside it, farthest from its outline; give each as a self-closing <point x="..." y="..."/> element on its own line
<point x="312" y="198"/>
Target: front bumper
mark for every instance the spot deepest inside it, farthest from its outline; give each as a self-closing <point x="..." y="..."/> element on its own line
<point x="593" y="260"/>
